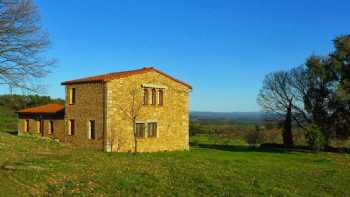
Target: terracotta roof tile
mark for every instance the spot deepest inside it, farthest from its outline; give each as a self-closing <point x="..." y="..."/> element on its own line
<point x="49" y="108"/>
<point x="118" y="75"/>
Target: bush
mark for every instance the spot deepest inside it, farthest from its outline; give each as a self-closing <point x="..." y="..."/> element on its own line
<point x="253" y="137"/>
<point x="195" y="142"/>
<point x="271" y="135"/>
<point x="314" y="137"/>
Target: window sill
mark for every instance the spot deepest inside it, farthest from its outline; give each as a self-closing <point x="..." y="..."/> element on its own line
<point x="153" y="105"/>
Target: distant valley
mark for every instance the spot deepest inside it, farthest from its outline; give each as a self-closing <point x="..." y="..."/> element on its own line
<point x="237" y="116"/>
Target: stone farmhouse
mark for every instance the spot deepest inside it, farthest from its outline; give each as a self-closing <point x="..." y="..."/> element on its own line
<point x="115" y="112"/>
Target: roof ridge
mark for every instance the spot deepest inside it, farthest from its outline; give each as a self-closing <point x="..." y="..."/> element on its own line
<point x="120" y="74"/>
<point x="125" y="71"/>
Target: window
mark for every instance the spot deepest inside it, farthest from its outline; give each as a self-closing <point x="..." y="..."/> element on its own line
<point x="72" y="96"/>
<point x="92" y="129"/>
<point x="50" y="127"/>
<point x="140" y="130"/>
<point x="153" y="101"/>
<point x="160" y="97"/>
<point x="152" y="129"/>
<point x="38" y="126"/>
<point x="26" y="126"/>
<point x="145" y="96"/>
<point x="71" y="127"/>
<point x="153" y="96"/>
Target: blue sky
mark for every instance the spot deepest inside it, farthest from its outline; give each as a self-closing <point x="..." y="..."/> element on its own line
<point x="222" y="48"/>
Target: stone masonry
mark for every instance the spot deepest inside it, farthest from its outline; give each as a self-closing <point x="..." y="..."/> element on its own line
<point x="172" y="118"/>
<point x="108" y="100"/>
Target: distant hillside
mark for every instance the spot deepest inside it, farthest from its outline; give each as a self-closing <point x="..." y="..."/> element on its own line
<point x="16" y="102"/>
<point x="9" y="104"/>
<point x="238" y="116"/>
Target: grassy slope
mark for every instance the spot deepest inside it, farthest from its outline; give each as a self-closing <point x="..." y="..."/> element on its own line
<point x="8" y="119"/>
<point x="47" y="167"/>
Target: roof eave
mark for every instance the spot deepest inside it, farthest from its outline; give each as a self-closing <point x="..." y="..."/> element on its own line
<point x="38" y="112"/>
<point x="26" y="112"/>
<point x="81" y="82"/>
<point x="173" y="78"/>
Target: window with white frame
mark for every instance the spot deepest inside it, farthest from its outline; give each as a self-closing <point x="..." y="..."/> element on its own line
<point x="71" y="127"/>
<point x="153" y="96"/>
<point x="140" y="130"/>
<point x="152" y="129"/>
<point x="72" y="95"/>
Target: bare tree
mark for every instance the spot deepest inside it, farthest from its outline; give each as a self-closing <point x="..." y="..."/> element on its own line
<point x="22" y="42"/>
<point x="132" y="111"/>
<point x="113" y="139"/>
<point x="276" y="97"/>
<point x="300" y="84"/>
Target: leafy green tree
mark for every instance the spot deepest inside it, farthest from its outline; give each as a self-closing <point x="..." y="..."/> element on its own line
<point x="340" y="64"/>
<point x="318" y="93"/>
<point x="314" y="137"/>
<point x="9" y="104"/>
<point x="16" y="102"/>
<point x="325" y="88"/>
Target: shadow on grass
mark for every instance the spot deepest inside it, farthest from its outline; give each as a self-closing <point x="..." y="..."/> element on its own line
<point x="240" y="148"/>
<point x="12" y="132"/>
<point x="270" y="148"/>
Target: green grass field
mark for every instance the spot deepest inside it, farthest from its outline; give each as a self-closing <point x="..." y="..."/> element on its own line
<point x="39" y="167"/>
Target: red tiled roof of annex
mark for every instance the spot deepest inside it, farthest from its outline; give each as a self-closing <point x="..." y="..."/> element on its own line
<point x="48" y="108"/>
<point x="122" y="74"/>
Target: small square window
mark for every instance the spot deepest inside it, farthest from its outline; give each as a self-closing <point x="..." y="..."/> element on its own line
<point x="140" y="130"/>
<point x="152" y="129"/>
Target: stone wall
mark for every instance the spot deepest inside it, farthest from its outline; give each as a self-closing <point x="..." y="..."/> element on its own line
<point x="110" y="104"/>
<point x="33" y="128"/>
<point x="172" y="118"/>
<point x="89" y="105"/>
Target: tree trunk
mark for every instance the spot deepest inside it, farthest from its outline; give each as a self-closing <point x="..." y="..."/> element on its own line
<point x="287" y="131"/>
<point x="134" y="134"/>
<point x="322" y="123"/>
